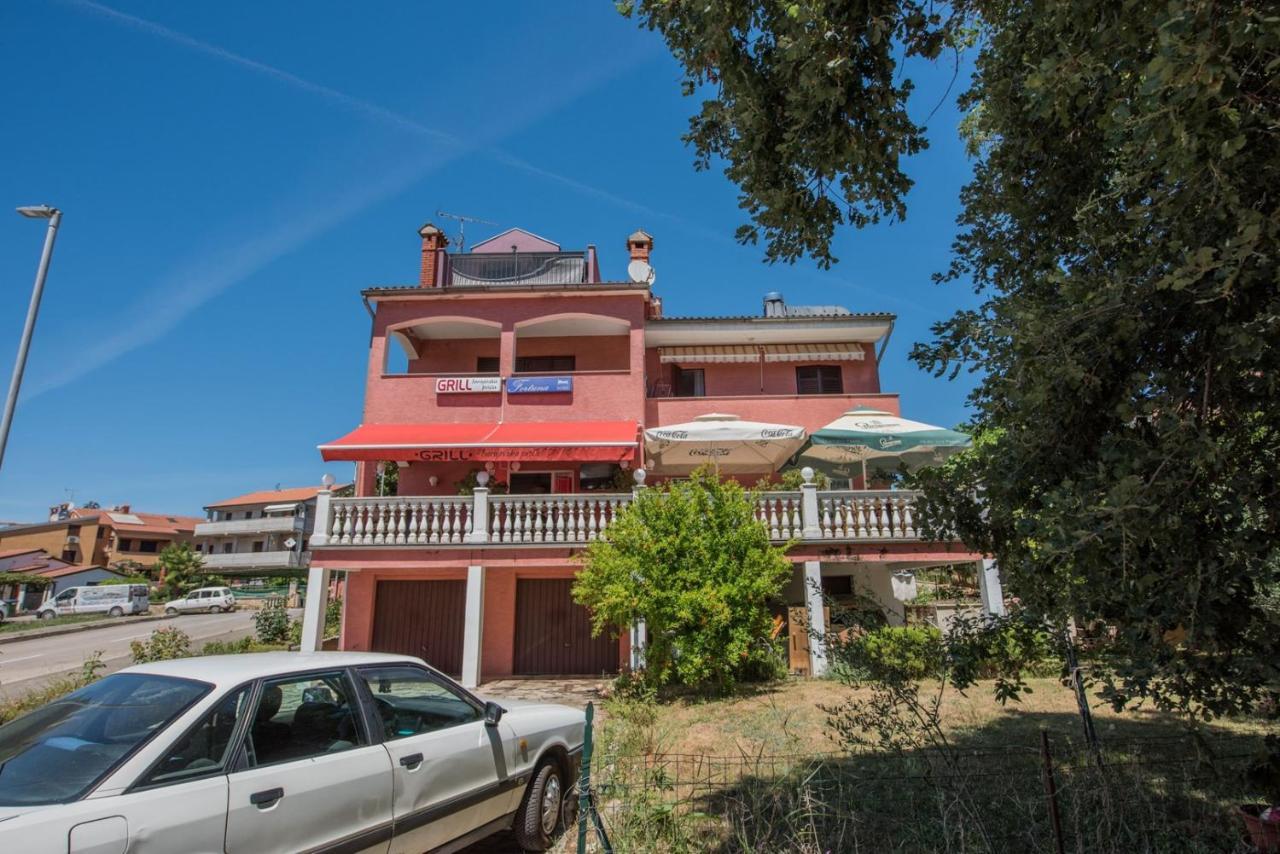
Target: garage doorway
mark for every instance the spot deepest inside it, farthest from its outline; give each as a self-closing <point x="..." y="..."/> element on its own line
<point x="553" y="633"/>
<point x="422" y="618"/>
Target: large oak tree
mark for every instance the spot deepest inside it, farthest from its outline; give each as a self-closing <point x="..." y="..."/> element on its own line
<point x="1122" y="227"/>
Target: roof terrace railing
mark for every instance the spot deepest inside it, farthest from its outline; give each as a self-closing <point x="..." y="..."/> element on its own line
<point x="517" y="268"/>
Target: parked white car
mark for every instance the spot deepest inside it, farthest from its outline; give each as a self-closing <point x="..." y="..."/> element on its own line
<point x="115" y="600"/>
<point x="284" y="752"/>
<point x="211" y="599"/>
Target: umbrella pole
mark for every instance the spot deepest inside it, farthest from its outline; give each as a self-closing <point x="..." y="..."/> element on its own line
<point x="865" y="485"/>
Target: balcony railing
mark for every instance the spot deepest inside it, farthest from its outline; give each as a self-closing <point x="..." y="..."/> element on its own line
<point x="261" y="525"/>
<point x="255" y="560"/>
<point x="518" y="268"/>
<point x="805" y="515"/>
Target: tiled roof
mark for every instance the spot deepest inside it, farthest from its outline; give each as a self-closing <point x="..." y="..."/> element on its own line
<point x="275" y="496"/>
<point x="60" y="571"/>
<point x="16" y="552"/>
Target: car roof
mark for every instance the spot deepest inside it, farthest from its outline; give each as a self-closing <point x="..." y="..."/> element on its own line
<point x="228" y="670"/>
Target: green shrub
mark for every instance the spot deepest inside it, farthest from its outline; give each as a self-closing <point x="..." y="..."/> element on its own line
<point x="900" y="653"/>
<point x="162" y="645"/>
<point x="294" y="634"/>
<point x="271" y="623"/>
<point x="245" y="644"/>
<point x="333" y="617"/>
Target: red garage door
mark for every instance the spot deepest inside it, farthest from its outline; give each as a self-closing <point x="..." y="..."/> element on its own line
<point x="422" y="618"/>
<point x="553" y="633"/>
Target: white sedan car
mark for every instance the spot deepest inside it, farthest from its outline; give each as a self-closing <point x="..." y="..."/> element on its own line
<point x="283" y="751"/>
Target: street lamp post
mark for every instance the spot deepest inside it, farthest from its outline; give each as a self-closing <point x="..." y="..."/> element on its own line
<point x="11" y="402"/>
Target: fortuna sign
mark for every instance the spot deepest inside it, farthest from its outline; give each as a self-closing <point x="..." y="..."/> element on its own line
<point x="467" y="385"/>
<point x="534" y="385"/>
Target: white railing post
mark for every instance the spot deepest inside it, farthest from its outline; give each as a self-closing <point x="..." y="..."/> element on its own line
<point x="320" y="531"/>
<point x="811" y="523"/>
<point x="480" y="510"/>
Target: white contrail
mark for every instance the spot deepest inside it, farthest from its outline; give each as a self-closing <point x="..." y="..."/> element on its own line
<point x="390" y="117"/>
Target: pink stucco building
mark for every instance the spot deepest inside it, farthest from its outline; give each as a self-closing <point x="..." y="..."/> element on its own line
<point x="510" y="388"/>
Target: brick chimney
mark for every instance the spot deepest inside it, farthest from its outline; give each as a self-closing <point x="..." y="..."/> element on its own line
<point x="433" y="244"/>
<point x="640" y="244"/>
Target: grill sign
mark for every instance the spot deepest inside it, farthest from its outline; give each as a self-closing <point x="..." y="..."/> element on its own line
<point x="468" y="385"/>
<point x="535" y="385"/>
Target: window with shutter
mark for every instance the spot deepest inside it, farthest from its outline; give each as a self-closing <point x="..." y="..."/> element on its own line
<point x="819" y="379"/>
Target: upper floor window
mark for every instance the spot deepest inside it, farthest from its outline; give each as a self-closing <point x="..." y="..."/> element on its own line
<point x="689" y="382"/>
<point x="819" y="379"/>
<point x="487" y="364"/>
<point x="544" y="364"/>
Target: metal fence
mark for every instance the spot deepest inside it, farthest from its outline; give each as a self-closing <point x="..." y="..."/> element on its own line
<point x="1153" y="794"/>
<point x="499" y="268"/>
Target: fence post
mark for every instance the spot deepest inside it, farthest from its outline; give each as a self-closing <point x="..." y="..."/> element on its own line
<point x="1051" y="792"/>
<point x="584" y="781"/>
<point x="811" y="523"/>
<point x="480" y="510"/>
<point x="320" y="528"/>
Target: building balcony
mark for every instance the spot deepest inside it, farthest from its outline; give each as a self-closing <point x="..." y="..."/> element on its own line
<point x="261" y="525"/>
<point x="256" y="560"/>
<point x="481" y="520"/>
<point x="517" y="268"/>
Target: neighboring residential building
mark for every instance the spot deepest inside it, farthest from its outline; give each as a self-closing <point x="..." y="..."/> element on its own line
<point x="101" y="537"/>
<point x="518" y="363"/>
<point x="261" y="533"/>
<point x="54" y="574"/>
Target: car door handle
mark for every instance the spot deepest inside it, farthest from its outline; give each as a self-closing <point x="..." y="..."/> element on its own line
<point x="413" y="759"/>
<point x="266" y="798"/>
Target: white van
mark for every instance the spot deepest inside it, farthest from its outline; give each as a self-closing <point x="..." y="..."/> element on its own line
<point x="115" y="600"/>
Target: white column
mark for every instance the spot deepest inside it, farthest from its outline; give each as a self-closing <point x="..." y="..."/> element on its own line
<point x="473" y="628"/>
<point x="811" y="523"/>
<point x="480" y="511"/>
<point x="313" y="609"/>
<point x="817" y="622"/>
<point x="989" y="588"/>
<point x="320" y="530"/>
<point x="638" y="640"/>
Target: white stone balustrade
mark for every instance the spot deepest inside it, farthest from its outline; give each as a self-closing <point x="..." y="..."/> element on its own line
<point x="577" y="519"/>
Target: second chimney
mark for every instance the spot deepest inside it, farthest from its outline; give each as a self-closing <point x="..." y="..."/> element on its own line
<point x="433" y="244"/>
<point x="639" y="245"/>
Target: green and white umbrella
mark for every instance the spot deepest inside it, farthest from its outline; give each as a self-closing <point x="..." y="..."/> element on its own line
<point x="865" y="435"/>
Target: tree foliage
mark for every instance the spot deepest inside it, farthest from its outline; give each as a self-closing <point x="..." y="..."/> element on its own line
<point x="691" y="560"/>
<point x="1122" y="230"/>
<point x="179" y="566"/>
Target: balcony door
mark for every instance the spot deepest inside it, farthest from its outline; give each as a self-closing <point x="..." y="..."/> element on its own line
<point x="540" y="483"/>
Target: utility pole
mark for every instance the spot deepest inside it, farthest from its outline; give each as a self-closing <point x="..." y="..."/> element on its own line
<point x="15" y="384"/>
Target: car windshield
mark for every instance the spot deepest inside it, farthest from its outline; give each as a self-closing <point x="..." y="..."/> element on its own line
<point x="56" y="753"/>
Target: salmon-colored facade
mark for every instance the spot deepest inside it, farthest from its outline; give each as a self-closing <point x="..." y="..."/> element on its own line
<point x="519" y="332"/>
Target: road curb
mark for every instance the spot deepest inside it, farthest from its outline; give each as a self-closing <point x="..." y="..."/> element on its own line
<point x="14" y="637"/>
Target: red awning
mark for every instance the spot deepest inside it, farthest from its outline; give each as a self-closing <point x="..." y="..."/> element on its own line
<point x="587" y="441"/>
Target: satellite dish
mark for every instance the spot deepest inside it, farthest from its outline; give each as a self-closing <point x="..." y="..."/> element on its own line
<point x="640" y="271"/>
<point x="290" y="543"/>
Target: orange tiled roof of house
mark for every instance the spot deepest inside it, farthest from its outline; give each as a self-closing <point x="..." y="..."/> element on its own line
<point x="271" y="496"/>
<point x="16" y="552"/>
<point x="124" y="518"/>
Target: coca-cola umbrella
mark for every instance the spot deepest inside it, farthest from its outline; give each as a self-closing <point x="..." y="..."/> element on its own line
<point x="732" y="445"/>
<point x="865" y="435"/>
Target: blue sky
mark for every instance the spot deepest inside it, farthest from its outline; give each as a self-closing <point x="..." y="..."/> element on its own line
<point x="233" y="174"/>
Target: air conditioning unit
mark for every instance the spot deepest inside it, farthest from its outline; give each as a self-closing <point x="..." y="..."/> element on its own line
<point x="73" y="540"/>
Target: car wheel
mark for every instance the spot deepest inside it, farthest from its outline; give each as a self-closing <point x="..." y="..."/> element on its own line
<point x="538" y="820"/>
<point x="116" y="612"/>
<point x="47" y="615"/>
<point x="171" y="612"/>
<point x="213" y="609"/>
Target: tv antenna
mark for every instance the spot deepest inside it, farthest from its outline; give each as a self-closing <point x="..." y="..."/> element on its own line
<point x="462" y="226"/>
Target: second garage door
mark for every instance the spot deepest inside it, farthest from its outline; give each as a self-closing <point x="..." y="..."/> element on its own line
<point x="553" y="633"/>
<point x="422" y="618"/>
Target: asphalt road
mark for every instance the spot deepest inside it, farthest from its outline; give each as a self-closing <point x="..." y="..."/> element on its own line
<point x="25" y="665"/>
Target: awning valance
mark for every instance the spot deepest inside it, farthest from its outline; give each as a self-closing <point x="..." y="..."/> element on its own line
<point x="709" y="355"/>
<point x="814" y="352"/>
<point x="544" y="441"/>
<point x="280" y="508"/>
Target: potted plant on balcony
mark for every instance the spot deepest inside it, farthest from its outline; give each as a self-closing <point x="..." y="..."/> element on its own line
<point x="1263" y="820"/>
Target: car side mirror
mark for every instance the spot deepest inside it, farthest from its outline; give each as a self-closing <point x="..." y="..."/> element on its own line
<point x="492" y="713"/>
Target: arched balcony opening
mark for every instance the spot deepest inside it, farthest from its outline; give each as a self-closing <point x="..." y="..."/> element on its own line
<point x="456" y="346"/>
<point x="572" y="343"/>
